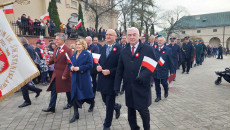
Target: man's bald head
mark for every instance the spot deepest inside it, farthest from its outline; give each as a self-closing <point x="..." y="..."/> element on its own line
<point x="111" y="36"/>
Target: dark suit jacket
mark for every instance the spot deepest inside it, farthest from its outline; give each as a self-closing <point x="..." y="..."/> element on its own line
<point x="38" y="52"/>
<point x="30" y="51"/>
<point x="93" y="49"/>
<point x="187" y="50"/>
<point x="106" y="83"/>
<point x="137" y="96"/>
<point x="162" y="72"/>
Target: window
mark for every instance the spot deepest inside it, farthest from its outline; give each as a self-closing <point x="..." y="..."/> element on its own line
<point x="183" y="32"/>
<point x="198" y="31"/>
<point x="214" y="30"/>
<point x="74" y="4"/>
<point x="58" y="1"/>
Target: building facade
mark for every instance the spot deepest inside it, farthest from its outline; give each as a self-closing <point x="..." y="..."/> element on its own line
<point x="213" y="28"/>
<point x="36" y="8"/>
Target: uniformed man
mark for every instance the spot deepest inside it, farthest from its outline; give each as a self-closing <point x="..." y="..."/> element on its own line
<point x="161" y="72"/>
<point x="93" y="72"/>
<point x="107" y="69"/>
<point x="95" y="42"/>
<point x="199" y="51"/>
<point x="187" y="52"/>
<point x="204" y="51"/>
<point x="137" y="81"/>
<point x="175" y="52"/>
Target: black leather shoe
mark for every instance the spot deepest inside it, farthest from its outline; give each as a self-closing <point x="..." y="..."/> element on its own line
<point x="182" y="72"/>
<point x="118" y="112"/>
<point x="75" y="116"/>
<point x="38" y="93"/>
<point x="24" y="104"/>
<point x="91" y="107"/>
<point x="166" y="94"/>
<point x="67" y="106"/>
<point x="49" y="110"/>
<point x="106" y="128"/>
<point x="187" y="72"/>
<point x="157" y="99"/>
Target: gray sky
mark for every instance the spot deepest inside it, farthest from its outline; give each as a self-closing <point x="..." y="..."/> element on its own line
<point x="195" y="7"/>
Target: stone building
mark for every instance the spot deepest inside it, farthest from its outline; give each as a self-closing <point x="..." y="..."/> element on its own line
<point x="213" y="28"/>
<point x="66" y="9"/>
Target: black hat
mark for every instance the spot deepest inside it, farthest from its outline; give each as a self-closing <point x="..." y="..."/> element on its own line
<point x="50" y="40"/>
<point x="172" y="39"/>
<point x="39" y="43"/>
<point x="186" y="38"/>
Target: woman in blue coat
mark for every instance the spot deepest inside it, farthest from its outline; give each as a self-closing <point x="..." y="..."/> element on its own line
<point x="81" y="87"/>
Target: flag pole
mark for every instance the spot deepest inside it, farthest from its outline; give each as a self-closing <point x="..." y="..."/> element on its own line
<point x="139" y="71"/>
<point x="5" y="4"/>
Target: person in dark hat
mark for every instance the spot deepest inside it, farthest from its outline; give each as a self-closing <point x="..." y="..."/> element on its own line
<point x="187" y="52"/>
<point x="175" y="52"/>
<point x="199" y="51"/>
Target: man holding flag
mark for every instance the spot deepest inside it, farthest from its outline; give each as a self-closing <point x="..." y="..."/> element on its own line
<point x="136" y="76"/>
<point x="165" y="63"/>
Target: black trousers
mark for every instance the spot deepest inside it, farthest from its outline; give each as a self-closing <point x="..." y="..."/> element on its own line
<point x="25" y="92"/>
<point x="220" y="56"/>
<point x="94" y="82"/>
<point x="109" y="101"/>
<point x="186" y="61"/>
<point x="53" y="98"/>
<point x="132" y="118"/>
<point x="158" y="88"/>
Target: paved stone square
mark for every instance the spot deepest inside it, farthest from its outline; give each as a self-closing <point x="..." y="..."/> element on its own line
<point x="194" y="102"/>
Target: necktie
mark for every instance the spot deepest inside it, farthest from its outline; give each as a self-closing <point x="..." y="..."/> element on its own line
<point x="159" y="48"/>
<point x="58" y="49"/>
<point x="133" y="50"/>
<point x="108" y="51"/>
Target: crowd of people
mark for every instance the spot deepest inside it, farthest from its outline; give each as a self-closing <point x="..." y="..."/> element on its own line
<point x="74" y="70"/>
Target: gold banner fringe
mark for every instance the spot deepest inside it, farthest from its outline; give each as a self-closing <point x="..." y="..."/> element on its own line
<point x="19" y="86"/>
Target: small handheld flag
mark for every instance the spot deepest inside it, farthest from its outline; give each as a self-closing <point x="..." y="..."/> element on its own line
<point x="69" y="61"/>
<point x="149" y="63"/>
<point x="161" y="62"/>
<point x="96" y="57"/>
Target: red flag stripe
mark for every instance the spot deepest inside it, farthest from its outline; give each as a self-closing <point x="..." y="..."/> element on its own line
<point x="148" y="66"/>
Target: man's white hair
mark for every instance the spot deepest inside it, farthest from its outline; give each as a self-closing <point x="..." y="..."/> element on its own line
<point x="133" y="29"/>
<point x="152" y="36"/>
<point x="162" y="38"/>
<point x="90" y="38"/>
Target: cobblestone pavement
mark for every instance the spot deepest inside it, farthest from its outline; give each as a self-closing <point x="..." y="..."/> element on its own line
<point x="194" y="102"/>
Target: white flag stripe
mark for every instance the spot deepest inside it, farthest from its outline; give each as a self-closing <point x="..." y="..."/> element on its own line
<point x="162" y="61"/>
<point x="95" y="55"/>
<point x="150" y="61"/>
<point x="8" y="7"/>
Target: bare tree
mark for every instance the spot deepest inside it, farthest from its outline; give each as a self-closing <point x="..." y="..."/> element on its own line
<point x="100" y="9"/>
<point x="171" y="17"/>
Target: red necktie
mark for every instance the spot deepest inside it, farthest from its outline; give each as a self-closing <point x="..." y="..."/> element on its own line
<point x="133" y="50"/>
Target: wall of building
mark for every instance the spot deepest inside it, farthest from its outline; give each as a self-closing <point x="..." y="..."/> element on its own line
<point x="37" y="8"/>
<point x="207" y="34"/>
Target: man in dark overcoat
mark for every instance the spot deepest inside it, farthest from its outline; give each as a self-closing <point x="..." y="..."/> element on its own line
<point x="136" y="79"/>
<point x="61" y="78"/>
<point x="164" y="55"/>
<point x="107" y="69"/>
<point x="187" y="51"/>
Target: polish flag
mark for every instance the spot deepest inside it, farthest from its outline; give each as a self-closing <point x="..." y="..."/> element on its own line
<point x="96" y="57"/>
<point x="161" y="61"/>
<point x="45" y="16"/>
<point x="8" y="9"/>
<point x="69" y="61"/>
<point x="78" y="24"/>
<point x="149" y="63"/>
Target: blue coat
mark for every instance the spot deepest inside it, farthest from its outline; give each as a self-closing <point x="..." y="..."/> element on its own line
<point x="81" y="86"/>
<point x="105" y="84"/>
<point x="162" y="72"/>
<point x="176" y="54"/>
<point x="93" y="49"/>
<point x="187" y="51"/>
<point x="137" y="96"/>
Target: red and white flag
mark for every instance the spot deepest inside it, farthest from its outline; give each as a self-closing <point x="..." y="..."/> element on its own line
<point x="69" y="61"/>
<point x="149" y="63"/>
<point x="96" y="57"/>
<point x="161" y="62"/>
<point x="78" y="24"/>
<point x="8" y="9"/>
<point x="45" y="16"/>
